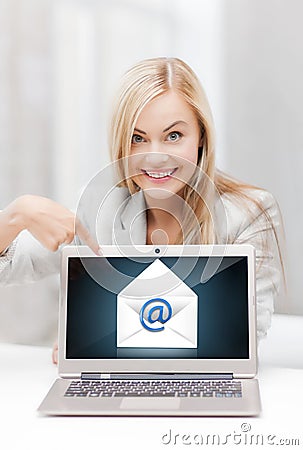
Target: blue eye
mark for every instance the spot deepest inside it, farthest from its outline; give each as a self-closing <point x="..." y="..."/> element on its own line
<point x="174" y="136"/>
<point x="137" y="139"/>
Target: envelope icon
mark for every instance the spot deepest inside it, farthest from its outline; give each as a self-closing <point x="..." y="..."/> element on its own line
<point x="157" y="310"/>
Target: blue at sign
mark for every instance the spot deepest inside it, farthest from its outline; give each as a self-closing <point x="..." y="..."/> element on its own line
<point x="155" y="313"/>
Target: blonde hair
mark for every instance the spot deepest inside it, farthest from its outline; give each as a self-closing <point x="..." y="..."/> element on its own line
<point x="146" y="81"/>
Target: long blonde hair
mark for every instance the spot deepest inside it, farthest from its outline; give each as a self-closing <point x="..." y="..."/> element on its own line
<point x="144" y="82"/>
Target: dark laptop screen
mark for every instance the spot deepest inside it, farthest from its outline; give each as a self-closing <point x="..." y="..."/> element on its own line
<point x="168" y="307"/>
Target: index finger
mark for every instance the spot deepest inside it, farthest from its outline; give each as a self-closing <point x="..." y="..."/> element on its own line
<point x="86" y="237"/>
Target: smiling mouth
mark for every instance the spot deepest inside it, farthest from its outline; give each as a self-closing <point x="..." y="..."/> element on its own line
<point x="159" y="174"/>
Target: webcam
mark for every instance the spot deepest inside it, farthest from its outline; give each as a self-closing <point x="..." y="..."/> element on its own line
<point x="157" y="250"/>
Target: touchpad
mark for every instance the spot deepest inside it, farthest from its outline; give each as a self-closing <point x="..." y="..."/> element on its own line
<point x="150" y="403"/>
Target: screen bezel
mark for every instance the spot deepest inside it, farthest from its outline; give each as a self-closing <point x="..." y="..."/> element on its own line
<point x="238" y="367"/>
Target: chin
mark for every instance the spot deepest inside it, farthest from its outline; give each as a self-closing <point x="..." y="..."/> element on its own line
<point x="160" y="193"/>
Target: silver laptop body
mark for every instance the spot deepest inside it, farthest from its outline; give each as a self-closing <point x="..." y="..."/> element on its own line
<point x="157" y="330"/>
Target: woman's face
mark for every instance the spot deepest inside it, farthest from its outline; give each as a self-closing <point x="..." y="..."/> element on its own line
<point x="164" y="150"/>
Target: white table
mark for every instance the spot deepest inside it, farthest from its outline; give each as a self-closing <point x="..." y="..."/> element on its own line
<point x="281" y="384"/>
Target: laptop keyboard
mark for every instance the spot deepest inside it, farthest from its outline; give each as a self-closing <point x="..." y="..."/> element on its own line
<point x="155" y="388"/>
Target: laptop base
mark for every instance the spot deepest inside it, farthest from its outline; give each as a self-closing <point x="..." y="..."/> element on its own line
<point x="55" y="404"/>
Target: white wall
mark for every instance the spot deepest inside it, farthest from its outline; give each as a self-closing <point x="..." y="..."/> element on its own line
<point x="25" y="98"/>
<point x="263" y="133"/>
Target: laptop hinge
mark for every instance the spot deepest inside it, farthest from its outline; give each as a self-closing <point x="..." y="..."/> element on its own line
<point x="155" y="376"/>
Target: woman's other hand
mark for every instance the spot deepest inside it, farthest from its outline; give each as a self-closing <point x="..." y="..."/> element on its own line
<point x="55" y="353"/>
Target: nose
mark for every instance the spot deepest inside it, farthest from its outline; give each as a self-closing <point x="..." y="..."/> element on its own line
<point x="156" y="158"/>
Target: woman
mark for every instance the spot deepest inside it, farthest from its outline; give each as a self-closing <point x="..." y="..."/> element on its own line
<point x="162" y="144"/>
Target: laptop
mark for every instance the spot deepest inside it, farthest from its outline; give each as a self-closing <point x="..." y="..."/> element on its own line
<point x="157" y="330"/>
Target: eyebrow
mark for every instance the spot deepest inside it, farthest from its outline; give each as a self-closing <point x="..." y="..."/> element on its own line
<point x="174" y="124"/>
<point x="165" y="129"/>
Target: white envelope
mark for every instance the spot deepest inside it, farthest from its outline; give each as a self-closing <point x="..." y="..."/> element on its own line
<point x="157" y="300"/>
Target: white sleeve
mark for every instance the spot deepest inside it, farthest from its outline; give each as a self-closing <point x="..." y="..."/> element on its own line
<point x="257" y="230"/>
<point x="7" y="255"/>
<point x="26" y="260"/>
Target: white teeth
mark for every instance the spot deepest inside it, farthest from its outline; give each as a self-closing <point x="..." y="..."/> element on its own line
<point x="159" y="174"/>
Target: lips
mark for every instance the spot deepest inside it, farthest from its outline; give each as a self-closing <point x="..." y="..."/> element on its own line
<point x="159" y="174"/>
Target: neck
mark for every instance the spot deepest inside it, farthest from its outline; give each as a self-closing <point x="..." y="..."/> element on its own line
<point x="164" y="219"/>
<point x="161" y="209"/>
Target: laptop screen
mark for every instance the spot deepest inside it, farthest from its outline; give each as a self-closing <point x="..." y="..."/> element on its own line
<point x="154" y="308"/>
